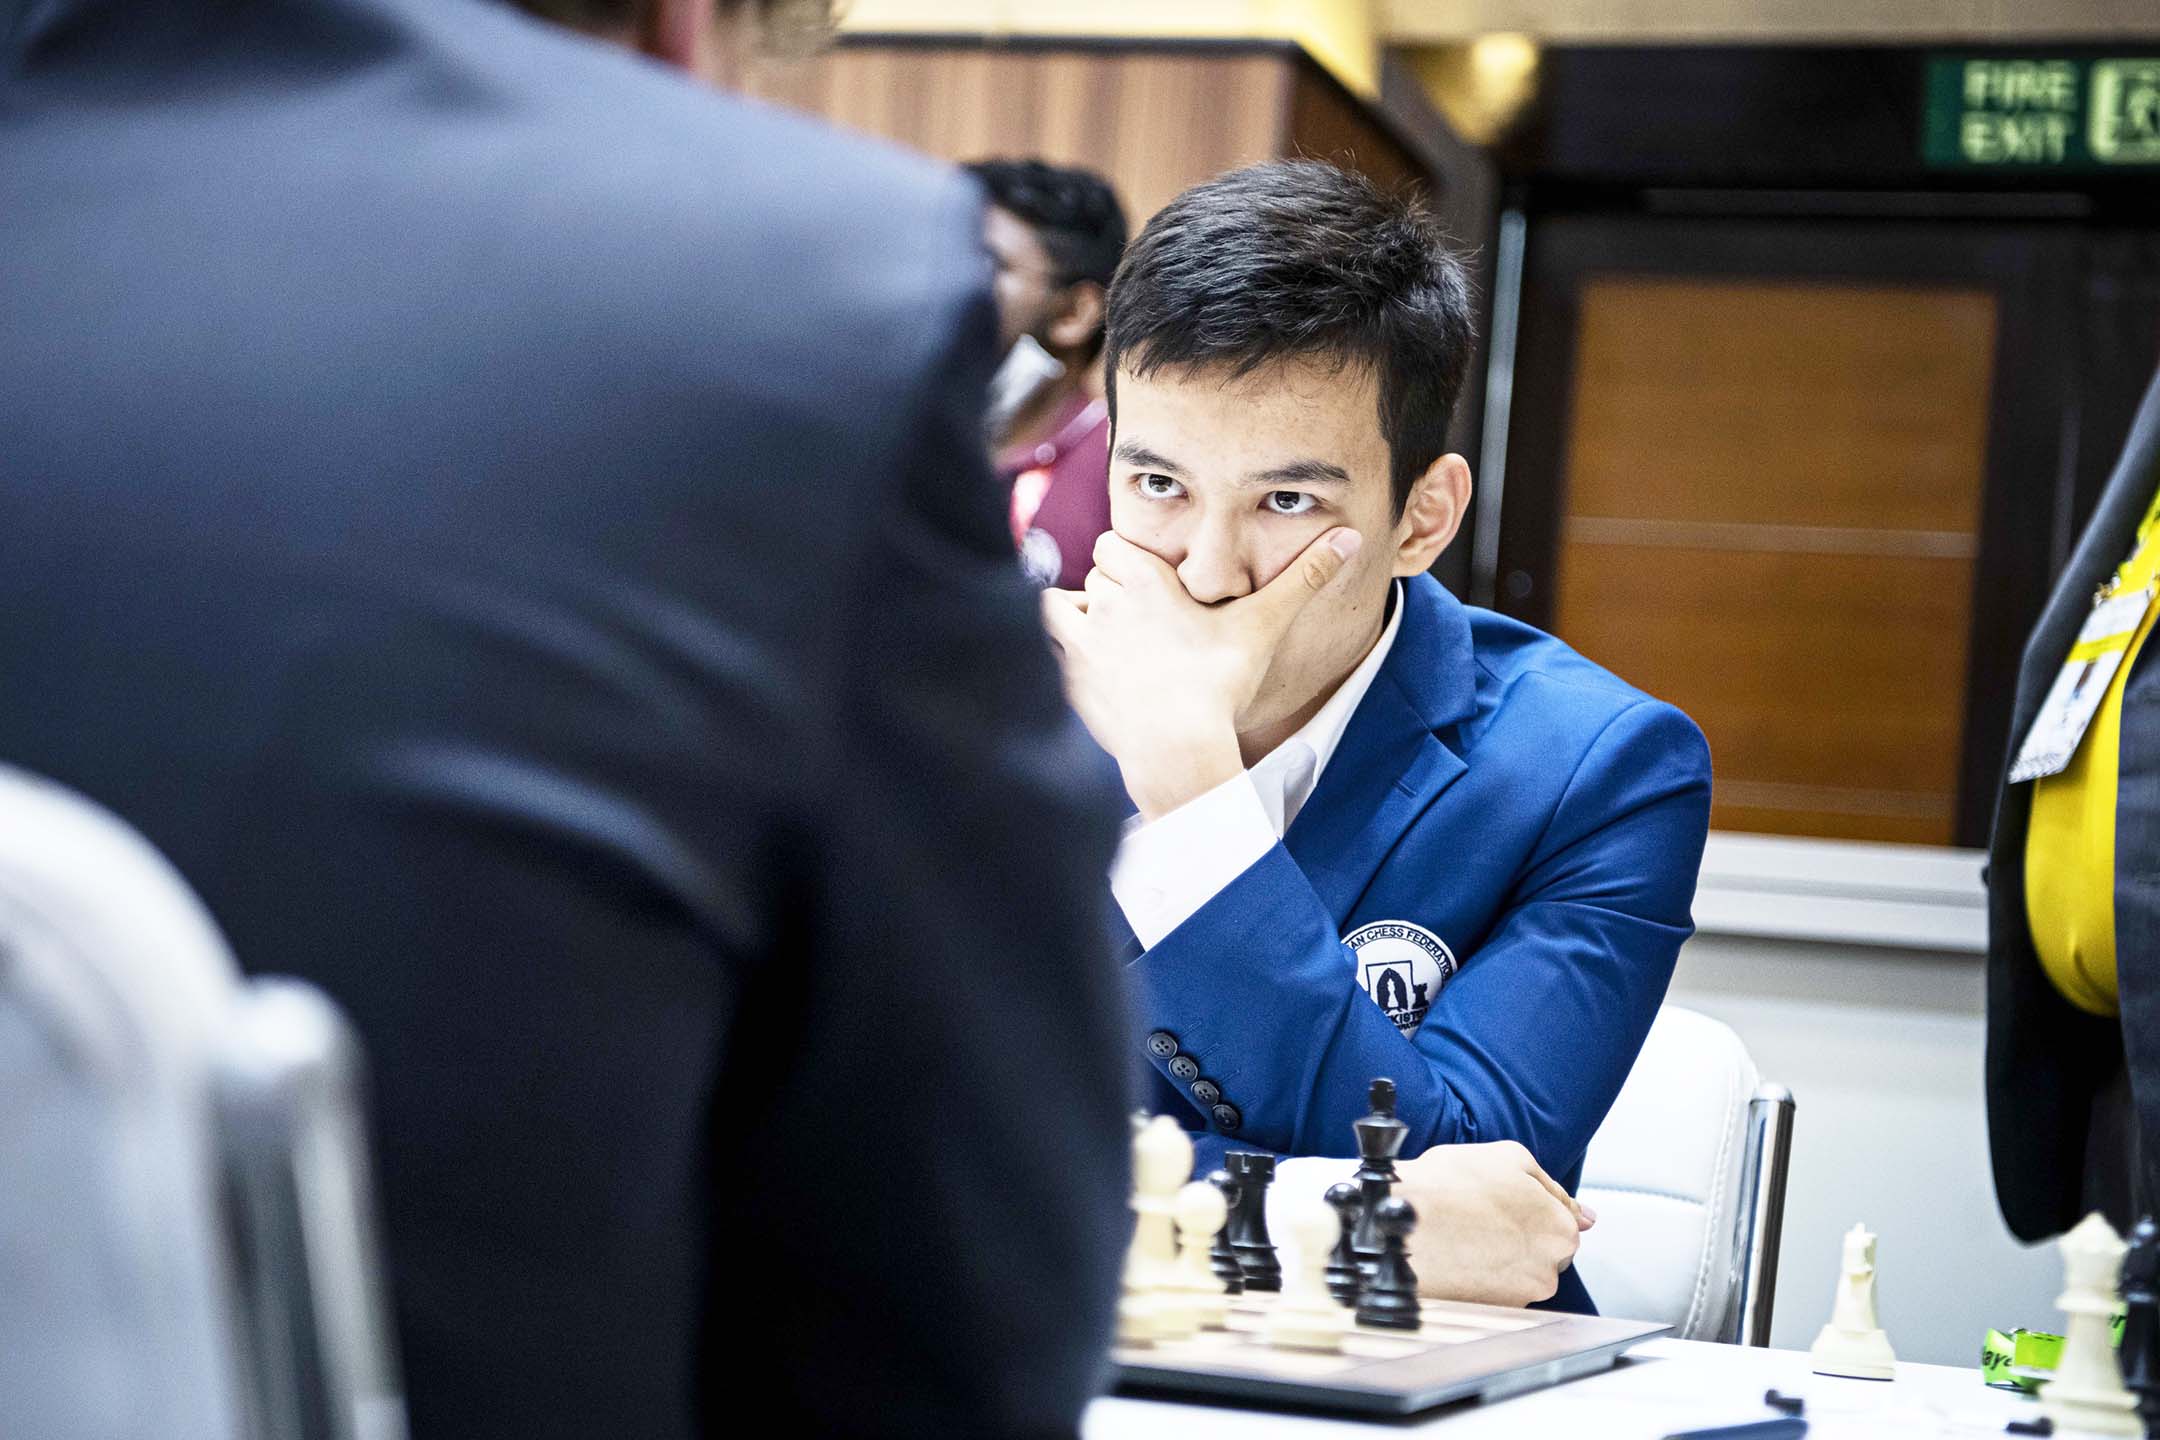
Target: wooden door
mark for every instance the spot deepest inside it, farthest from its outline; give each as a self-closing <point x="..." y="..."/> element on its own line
<point x="1769" y="476"/>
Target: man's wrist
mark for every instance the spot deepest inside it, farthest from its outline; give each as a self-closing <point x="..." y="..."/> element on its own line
<point x="1173" y="773"/>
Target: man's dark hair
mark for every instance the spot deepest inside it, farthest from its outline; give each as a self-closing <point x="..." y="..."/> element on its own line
<point x="1300" y="259"/>
<point x="1073" y="212"/>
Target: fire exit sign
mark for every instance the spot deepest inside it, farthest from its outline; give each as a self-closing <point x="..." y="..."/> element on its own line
<point x="2038" y="113"/>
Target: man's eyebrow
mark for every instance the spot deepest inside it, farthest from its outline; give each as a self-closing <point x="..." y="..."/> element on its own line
<point x="1136" y="454"/>
<point x="1297" y="472"/>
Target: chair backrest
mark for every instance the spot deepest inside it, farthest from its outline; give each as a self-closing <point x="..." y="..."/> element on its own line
<point x="168" y="1132"/>
<point x="115" y="1315"/>
<point x="1687" y="1178"/>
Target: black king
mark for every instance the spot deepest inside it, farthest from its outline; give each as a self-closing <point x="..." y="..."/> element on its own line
<point x="1380" y="1139"/>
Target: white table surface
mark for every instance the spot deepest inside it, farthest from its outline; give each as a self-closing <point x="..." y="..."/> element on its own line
<point x="1661" y="1386"/>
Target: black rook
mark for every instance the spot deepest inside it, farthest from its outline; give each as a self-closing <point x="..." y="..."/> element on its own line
<point x="1248" y="1223"/>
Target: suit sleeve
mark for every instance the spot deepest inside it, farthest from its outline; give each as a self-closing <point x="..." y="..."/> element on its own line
<point x="1533" y="1037"/>
<point x="957" y="1167"/>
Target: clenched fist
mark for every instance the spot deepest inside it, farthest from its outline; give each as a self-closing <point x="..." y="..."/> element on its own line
<point x="1494" y="1227"/>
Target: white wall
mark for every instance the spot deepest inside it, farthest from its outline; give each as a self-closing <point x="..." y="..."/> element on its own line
<point x="1882" y="1050"/>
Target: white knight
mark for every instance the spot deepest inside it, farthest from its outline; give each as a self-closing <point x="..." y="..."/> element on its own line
<point x="1853" y="1344"/>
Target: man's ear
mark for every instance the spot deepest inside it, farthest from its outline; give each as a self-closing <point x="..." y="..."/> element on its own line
<point x="678" y="33"/>
<point x="1080" y="318"/>
<point x="1438" y="502"/>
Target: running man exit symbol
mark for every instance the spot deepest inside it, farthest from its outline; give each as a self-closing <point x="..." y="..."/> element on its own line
<point x="2125" y="117"/>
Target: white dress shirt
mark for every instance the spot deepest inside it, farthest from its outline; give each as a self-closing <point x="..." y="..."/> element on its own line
<point x="1168" y="868"/>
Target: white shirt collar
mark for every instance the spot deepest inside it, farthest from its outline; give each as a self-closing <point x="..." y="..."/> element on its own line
<point x="1287" y="775"/>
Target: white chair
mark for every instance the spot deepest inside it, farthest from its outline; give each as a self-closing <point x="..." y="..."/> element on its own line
<point x="187" y="1249"/>
<point x="1687" y="1176"/>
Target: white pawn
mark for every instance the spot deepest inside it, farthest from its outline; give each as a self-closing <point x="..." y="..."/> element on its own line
<point x="1162" y="1160"/>
<point x="1852" y="1344"/>
<point x="2087" y="1392"/>
<point x="1201" y="1212"/>
<point x="1306" y="1316"/>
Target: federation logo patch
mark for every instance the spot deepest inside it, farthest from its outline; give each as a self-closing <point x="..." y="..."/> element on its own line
<point x="1402" y="967"/>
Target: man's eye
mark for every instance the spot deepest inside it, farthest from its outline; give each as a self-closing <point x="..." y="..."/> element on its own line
<point x="1289" y="502"/>
<point x="1160" y="487"/>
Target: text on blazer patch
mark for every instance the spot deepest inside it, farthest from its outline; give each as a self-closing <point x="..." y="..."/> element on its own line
<point x="1402" y="967"/>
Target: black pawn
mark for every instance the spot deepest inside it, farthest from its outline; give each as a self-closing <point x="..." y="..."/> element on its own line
<point x="1248" y="1223"/>
<point x="1380" y="1139"/>
<point x="2140" y="1352"/>
<point x="1220" y="1255"/>
<point x="1391" y="1299"/>
<point x="1345" y="1281"/>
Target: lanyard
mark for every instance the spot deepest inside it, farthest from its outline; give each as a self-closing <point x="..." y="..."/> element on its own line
<point x="2141" y="565"/>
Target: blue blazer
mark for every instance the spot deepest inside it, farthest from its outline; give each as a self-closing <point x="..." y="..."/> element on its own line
<point x="1530" y="824"/>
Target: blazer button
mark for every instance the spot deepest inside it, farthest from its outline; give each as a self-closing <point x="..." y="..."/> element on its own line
<point x="1207" y="1092"/>
<point x="1184" y="1067"/>
<point x="1162" y="1044"/>
<point x="1227" y="1118"/>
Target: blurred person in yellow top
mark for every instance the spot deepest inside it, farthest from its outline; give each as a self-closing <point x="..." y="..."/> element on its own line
<point x="2070" y="842"/>
<point x="2073" y="1063"/>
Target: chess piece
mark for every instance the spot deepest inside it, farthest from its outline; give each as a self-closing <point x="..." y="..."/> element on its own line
<point x="1201" y="1215"/>
<point x="2140" y="1351"/>
<point x="1345" y="1281"/>
<point x="1221" y="1255"/>
<point x="1380" y="1139"/>
<point x="1162" y="1158"/>
<point x="2087" y="1392"/>
<point x="1249" y="1233"/>
<point x="1307" y="1317"/>
<point x="1852" y="1344"/>
<point x="1391" y="1298"/>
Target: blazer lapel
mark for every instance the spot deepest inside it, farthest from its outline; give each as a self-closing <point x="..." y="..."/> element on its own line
<point x="1390" y="765"/>
<point x="2106" y="541"/>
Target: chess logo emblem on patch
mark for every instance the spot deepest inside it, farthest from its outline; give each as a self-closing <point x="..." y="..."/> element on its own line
<point x="1402" y="967"/>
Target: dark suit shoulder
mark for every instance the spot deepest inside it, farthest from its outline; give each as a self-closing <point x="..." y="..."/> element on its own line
<point x="529" y="259"/>
<point x="404" y="163"/>
<point x="712" y="207"/>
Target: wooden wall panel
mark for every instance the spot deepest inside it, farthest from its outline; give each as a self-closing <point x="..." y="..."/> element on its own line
<point x="1154" y="121"/>
<point x="1831" y="686"/>
<point x="1771" y="519"/>
<point x="1326" y="123"/>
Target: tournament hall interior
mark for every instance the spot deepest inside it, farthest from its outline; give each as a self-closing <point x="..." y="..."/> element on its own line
<point x="1079" y="719"/>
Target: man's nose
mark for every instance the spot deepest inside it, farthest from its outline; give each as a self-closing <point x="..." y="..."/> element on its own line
<point x="1215" y="565"/>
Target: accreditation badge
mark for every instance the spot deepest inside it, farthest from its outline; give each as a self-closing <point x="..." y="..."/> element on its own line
<point x="2081" y="685"/>
<point x="1402" y="967"/>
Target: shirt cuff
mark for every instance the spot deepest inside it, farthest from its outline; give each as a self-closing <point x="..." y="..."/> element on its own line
<point x="1168" y="868"/>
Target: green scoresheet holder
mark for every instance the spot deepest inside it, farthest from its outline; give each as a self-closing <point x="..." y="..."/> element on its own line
<point x="2024" y="1359"/>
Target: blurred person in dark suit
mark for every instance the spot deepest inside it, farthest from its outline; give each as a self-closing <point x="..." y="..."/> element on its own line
<point x="1055" y="234"/>
<point x="511" y="525"/>
<point x="2073" y="1055"/>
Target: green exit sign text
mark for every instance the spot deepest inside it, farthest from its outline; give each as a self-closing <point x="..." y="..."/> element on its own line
<point x="2041" y="113"/>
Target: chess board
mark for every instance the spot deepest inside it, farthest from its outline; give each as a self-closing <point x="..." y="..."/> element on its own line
<point x="1461" y="1351"/>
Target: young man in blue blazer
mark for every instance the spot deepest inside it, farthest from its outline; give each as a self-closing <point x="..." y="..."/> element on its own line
<point x="1378" y="832"/>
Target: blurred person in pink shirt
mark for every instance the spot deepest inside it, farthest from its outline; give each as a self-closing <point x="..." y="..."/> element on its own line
<point x="1055" y="235"/>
